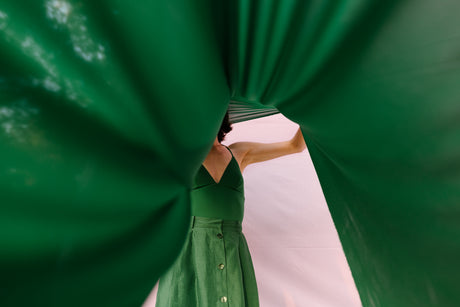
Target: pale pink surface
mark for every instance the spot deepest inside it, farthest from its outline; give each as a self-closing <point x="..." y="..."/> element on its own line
<point x="295" y="249"/>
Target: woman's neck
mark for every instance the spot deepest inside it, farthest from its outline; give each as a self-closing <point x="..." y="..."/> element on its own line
<point x="216" y="143"/>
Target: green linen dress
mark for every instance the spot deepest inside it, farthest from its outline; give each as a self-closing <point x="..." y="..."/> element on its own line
<point x="214" y="267"/>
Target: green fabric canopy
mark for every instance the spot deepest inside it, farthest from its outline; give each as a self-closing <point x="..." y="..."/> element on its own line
<point x="108" y="107"/>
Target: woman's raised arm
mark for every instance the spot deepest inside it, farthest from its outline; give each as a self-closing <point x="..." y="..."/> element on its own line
<point x="250" y="152"/>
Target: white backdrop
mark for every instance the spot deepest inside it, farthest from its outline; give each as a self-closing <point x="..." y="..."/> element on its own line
<point x="296" y="252"/>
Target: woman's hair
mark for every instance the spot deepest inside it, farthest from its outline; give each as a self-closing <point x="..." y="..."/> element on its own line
<point x="225" y="128"/>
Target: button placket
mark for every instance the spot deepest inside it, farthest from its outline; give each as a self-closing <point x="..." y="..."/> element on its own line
<point x="221" y="266"/>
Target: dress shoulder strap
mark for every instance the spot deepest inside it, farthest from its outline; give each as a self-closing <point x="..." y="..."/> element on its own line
<point x="229" y="150"/>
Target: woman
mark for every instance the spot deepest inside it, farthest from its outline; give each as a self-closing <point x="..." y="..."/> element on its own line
<point x="215" y="267"/>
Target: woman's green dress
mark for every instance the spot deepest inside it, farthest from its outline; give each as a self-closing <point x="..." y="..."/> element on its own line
<point x="214" y="267"/>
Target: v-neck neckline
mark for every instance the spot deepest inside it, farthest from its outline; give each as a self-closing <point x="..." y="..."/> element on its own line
<point x="225" y="170"/>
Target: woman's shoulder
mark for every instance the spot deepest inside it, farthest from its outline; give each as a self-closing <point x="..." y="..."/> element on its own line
<point x="239" y="147"/>
<point x="239" y="150"/>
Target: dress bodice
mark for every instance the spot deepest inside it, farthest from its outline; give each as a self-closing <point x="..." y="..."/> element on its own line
<point x="222" y="200"/>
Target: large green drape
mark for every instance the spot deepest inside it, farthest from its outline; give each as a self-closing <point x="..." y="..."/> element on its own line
<point x="108" y="107"/>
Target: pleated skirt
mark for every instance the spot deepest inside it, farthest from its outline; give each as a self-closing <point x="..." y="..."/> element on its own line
<point x="213" y="269"/>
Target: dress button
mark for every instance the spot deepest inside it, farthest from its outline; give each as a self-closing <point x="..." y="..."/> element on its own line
<point x="220" y="236"/>
<point x="223" y="299"/>
<point x="221" y="266"/>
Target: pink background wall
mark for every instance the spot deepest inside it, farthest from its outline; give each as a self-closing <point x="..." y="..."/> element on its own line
<point x="296" y="252"/>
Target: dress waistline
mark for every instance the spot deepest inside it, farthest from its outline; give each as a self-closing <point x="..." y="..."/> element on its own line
<point x="205" y="222"/>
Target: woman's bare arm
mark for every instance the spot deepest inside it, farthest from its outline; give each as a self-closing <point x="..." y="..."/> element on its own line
<point x="249" y="152"/>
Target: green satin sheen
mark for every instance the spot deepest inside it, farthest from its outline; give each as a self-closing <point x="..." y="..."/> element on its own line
<point x="100" y="101"/>
<point x="223" y="200"/>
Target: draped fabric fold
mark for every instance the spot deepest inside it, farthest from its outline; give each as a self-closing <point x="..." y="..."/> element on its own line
<point x="107" y="109"/>
<point x="244" y="110"/>
<point x="373" y="89"/>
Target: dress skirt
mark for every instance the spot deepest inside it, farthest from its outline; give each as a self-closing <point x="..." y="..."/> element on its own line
<point x="213" y="269"/>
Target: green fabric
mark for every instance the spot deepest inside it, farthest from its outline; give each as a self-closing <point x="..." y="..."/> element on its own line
<point x="222" y="200"/>
<point x="214" y="268"/>
<point x="93" y="181"/>
<point x="244" y="110"/>
<point x="100" y="101"/>
<point x="374" y="86"/>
